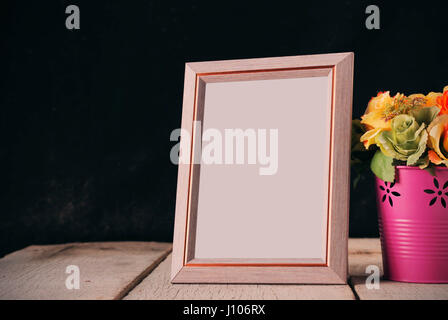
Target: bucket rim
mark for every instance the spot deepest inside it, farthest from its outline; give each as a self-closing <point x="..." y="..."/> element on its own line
<point x="417" y="168"/>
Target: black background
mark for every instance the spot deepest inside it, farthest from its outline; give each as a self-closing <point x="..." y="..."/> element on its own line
<point x="86" y="114"/>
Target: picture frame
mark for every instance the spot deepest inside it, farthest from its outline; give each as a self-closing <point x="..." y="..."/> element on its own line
<point x="233" y="225"/>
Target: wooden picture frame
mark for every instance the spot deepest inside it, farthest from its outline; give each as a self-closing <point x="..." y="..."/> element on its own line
<point x="331" y="268"/>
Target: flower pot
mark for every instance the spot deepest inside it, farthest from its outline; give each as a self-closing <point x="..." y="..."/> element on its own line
<point x="413" y="225"/>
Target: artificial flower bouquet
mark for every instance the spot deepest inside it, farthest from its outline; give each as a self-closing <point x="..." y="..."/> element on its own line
<point x="408" y="131"/>
<point x="405" y="134"/>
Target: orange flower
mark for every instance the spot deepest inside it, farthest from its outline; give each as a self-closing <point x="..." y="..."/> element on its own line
<point x="445" y="138"/>
<point x="433" y="157"/>
<point x="438" y="140"/>
<point x="442" y="103"/>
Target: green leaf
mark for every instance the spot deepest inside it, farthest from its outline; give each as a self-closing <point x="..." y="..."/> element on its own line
<point x="382" y="167"/>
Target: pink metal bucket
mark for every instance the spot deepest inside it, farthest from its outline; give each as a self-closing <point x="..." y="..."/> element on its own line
<point x="413" y="224"/>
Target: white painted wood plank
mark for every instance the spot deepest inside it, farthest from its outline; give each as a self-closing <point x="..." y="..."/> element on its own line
<point x="364" y="245"/>
<point x="392" y="290"/>
<point x="110" y="270"/>
<point x="364" y="252"/>
<point x="157" y="286"/>
<point x="107" y="270"/>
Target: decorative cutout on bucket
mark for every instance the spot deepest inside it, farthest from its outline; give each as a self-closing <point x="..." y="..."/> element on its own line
<point x="438" y="192"/>
<point x="389" y="193"/>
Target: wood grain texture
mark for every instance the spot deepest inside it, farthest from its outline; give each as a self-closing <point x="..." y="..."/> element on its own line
<point x="341" y="65"/>
<point x="392" y="290"/>
<point x="259" y="275"/>
<point x="305" y="61"/>
<point x="365" y="252"/>
<point x="266" y="75"/>
<point x="112" y="270"/>
<point x="157" y="286"/>
<point x="107" y="270"/>
<point x="362" y="253"/>
<point x="183" y="176"/>
<point x="340" y="166"/>
<point x="195" y="172"/>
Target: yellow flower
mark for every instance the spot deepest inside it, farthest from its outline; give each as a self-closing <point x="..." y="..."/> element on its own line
<point x="379" y="102"/>
<point x="399" y="96"/>
<point x="416" y="96"/>
<point x="429" y="100"/>
<point x="368" y="138"/>
<point x="374" y="115"/>
<point x="438" y="138"/>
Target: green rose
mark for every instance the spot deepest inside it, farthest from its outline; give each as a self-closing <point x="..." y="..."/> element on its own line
<point x="406" y="141"/>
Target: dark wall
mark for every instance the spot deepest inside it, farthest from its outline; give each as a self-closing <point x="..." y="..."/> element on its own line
<point x="86" y="114"/>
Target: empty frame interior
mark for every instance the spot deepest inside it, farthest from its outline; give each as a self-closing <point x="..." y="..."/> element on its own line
<point x="270" y="205"/>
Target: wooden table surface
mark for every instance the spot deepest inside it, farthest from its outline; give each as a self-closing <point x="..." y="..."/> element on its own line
<point x="140" y="270"/>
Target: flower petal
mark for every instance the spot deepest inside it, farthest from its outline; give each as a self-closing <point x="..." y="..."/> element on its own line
<point x="421" y="148"/>
<point x="435" y="130"/>
<point x="368" y="138"/>
<point x="434" y="158"/>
